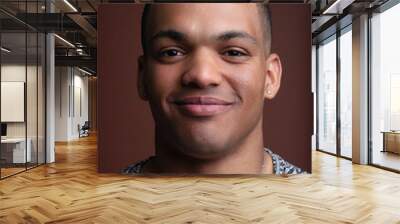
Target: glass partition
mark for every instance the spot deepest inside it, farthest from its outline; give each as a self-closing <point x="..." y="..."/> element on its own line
<point x="34" y="64"/>
<point x="13" y="95"/>
<point x="41" y="96"/>
<point x="22" y="78"/>
<point x="31" y="100"/>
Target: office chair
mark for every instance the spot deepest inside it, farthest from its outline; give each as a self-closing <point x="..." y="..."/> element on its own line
<point x="84" y="130"/>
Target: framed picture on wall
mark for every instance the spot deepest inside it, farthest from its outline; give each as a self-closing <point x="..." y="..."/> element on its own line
<point x="12" y="101"/>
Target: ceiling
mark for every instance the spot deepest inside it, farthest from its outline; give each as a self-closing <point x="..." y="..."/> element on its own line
<point x="76" y="22"/>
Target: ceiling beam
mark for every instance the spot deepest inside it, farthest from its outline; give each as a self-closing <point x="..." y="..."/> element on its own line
<point x="84" y="24"/>
<point x="84" y="61"/>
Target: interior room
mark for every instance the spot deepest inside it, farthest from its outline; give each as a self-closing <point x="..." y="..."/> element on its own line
<point x="70" y="121"/>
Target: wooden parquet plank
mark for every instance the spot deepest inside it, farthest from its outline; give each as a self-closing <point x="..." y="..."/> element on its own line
<point x="71" y="191"/>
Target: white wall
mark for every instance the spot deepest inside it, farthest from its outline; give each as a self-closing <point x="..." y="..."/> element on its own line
<point x="62" y="81"/>
<point x="71" y="92"/>
<point x="17" y="73"/>
<point x="81" y="97"/>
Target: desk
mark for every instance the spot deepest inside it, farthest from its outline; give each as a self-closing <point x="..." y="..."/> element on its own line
<point x="391" y="141"/>
<point x="13" y="150"/>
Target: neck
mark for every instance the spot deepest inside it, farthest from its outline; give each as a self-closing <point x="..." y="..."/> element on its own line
<point x="247" y="157"/>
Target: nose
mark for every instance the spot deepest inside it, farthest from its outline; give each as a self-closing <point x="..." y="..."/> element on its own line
<point x="203" y="71"/>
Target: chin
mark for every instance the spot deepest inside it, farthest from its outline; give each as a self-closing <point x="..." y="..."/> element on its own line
<point x="201" y="139"/>
<point x="203" y="148"/>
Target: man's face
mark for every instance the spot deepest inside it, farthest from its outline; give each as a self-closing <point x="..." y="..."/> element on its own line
<point x="205" y="75"/>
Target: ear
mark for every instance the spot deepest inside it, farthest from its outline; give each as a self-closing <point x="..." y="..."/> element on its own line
<point x="273" y="74"/>
<point x="141" y="83"/>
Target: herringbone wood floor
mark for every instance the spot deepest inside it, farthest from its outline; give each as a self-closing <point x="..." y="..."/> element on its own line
<point x="70" y="191"/>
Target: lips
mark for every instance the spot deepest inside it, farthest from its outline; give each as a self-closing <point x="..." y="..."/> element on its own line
<point x="202" y="106"/>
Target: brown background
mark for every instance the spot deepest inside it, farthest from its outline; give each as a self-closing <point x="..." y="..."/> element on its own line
<point x="125" y="125"/>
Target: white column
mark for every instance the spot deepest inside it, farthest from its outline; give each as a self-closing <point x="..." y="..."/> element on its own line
<point x="360" y="90"/>
<point x="50" y="110"/>
<point x="50" y="93"/>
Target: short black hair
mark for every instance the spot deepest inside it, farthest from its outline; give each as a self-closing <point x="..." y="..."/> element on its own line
<point x="264" y="13"/>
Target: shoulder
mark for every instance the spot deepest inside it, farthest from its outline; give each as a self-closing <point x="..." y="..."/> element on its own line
<point x="281" y="166"/>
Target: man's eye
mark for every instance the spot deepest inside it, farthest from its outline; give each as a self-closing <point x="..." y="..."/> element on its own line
<point x="234" y="53"/>
<point x="170" y="53"/>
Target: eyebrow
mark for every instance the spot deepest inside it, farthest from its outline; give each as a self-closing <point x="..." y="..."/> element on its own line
<point x="225" y="36"/>
<point x="171" y="34"/>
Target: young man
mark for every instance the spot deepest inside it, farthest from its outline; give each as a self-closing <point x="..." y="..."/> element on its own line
<point x="206" y="71"/>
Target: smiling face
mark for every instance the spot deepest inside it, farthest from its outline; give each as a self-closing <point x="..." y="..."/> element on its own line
<point x="205" y="74"/>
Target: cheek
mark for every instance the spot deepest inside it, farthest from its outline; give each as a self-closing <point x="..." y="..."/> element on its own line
<point x="162" y="80"/>
<point x="248" y="81"/>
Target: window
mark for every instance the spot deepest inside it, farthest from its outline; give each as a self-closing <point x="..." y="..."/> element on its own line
<point x="346" y="74"/>
<point x="385" y="88"/>
<point x="327" y="95"/>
